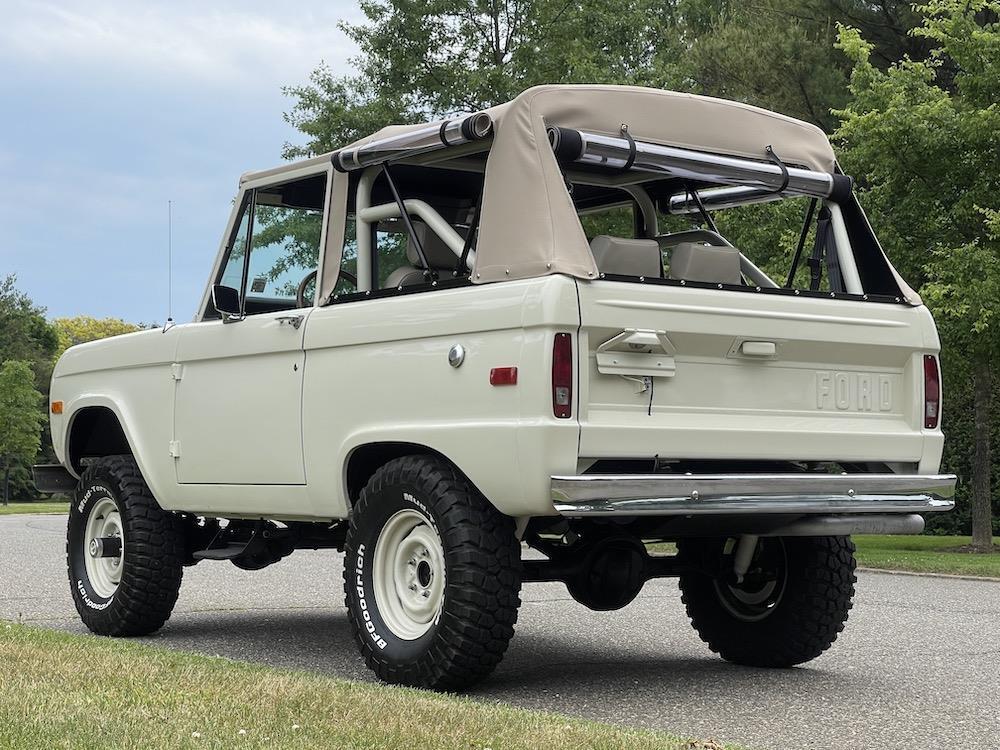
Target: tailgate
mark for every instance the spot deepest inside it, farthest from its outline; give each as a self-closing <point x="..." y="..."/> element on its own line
<point x="686" y="373"/>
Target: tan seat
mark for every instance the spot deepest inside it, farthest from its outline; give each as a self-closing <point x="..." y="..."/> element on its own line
<point x="624" y="257"/>
<point x="691" y="261"/>
<point x="440" y="257"/>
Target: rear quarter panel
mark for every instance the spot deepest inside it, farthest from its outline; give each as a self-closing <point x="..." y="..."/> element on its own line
<point x="377" y="371"/>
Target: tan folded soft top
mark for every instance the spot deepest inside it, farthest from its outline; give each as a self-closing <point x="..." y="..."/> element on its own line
<point x="529" y="225"/>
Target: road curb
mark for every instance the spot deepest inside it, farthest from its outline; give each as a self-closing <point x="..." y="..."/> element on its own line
<point x="990" y="579"/>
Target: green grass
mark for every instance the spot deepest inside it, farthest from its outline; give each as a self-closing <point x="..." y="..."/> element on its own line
<point x="59" y="690"/>
<point x="925" y="554"/>
<point x="18" y="508"/>
<point x="916" y="554"/>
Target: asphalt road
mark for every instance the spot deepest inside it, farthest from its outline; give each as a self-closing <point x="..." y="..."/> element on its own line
<point x="917" y="666"/>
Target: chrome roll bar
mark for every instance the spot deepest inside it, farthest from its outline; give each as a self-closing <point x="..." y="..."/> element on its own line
<point x="622" y="151"/>
<point x="431" y="137"/>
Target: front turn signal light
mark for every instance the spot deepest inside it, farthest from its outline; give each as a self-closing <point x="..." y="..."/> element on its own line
<point x="57" y="407"/>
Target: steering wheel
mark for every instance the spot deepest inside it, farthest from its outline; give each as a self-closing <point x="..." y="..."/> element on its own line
<point x="300" y="293"/>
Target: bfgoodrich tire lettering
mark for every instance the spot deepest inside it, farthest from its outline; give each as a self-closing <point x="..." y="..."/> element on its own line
<point x="142" y="598"/>
<point x="794" y="621"/>
<point x="469" y="633"/>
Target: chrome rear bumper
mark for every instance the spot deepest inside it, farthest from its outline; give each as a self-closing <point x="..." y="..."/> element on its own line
<point x="733" y="494"/>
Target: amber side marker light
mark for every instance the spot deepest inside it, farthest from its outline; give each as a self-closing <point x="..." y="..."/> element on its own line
<point x="57" y="407"/>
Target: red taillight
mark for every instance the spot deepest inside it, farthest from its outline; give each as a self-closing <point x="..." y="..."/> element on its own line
<point x="932" y="392"/>
<point x="562" y="376"/>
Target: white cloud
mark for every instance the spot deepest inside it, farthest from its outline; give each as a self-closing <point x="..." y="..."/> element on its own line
<point x="224" y="43"/>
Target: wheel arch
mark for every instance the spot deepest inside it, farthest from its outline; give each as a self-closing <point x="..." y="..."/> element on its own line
<point x="365" y="459"/>
<point x="95" y="430"/>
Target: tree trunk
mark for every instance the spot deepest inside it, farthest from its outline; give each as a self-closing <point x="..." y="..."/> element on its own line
<point x="982" y="520"/>
<point x="6" y="485"/>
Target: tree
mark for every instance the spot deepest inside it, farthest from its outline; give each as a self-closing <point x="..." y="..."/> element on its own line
<point x="83" y="328"/>
<point x="780" y="54"/>
<point x="923" y="137"/>
<point x="24" y="333"/>
<point x="423" y="59"/>
<point x="20" y="418"/>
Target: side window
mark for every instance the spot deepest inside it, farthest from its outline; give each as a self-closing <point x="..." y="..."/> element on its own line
<point x="617" y="221"/>
<point x="390" y="254"/>
<point x="379" y="252"/>
<point x="282" y="228"/>
<point x="232" y="273"/>
<point x="347" y="281"/>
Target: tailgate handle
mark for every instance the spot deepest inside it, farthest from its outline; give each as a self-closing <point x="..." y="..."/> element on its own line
<point x="637" y="352"/>
<point x="758" y="349"/>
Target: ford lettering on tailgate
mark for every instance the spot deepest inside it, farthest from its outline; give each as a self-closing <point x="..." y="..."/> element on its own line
<point x="853" y="391"/>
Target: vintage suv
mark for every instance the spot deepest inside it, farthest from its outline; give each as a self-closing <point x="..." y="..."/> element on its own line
<point x="524" y="327"/>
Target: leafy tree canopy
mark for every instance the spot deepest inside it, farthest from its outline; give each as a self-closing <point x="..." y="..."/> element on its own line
<point x="926" y="149"/>
<point x="24" y="333"/>
<point x="83" y="328"/>
<point x="20" y="416"/>
<point x="422" y="59"/>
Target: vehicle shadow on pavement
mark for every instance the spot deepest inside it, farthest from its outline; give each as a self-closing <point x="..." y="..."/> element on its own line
<point x="540" y="663"/>
<point x="312" y="639"/>
<point x="319" y="640"/>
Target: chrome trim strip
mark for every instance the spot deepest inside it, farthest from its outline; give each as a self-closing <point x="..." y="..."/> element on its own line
<point x="718" y="494"/>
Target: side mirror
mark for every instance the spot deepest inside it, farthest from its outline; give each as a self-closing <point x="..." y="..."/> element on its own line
<point x="226" y="301"/>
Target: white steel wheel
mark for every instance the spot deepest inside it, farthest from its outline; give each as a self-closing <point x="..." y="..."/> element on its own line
<point x="103" y="524"/>
<point x="409" y="574"/>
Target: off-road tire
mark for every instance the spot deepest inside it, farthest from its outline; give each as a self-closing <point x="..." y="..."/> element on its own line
<point x="152" y="564"/>
<point x="482" y="561"/>
<point x="805" y="621"/>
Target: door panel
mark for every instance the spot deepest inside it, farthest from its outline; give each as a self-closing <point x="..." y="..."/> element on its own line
<point x="238" y="402"/>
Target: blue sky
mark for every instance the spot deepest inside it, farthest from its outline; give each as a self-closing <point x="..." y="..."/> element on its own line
<point x="110" y="108"/>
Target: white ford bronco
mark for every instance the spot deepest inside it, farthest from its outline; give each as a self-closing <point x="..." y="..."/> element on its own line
<point x="527" y="327"/>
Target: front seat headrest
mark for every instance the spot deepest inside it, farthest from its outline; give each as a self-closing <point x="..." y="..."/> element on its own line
<point x="622" y="257"/>
<point x="691" y="261"/>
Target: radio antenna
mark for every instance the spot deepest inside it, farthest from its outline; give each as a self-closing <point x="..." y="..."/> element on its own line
<point x="170" y="320"/>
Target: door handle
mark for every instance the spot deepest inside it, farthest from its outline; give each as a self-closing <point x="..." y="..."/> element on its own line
<point x="293" y="320"/>
<point x="758" y="349"/>
<point x="639" y="353"/>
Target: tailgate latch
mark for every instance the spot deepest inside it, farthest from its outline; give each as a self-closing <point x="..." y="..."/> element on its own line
<point x="637" y="353"/>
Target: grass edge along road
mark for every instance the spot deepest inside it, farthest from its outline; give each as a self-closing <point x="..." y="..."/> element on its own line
<point x="911" y="554"/>
<point x="925" y="554"/>
<point x="62" y="690"/>
<point x="17" y="509"/>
